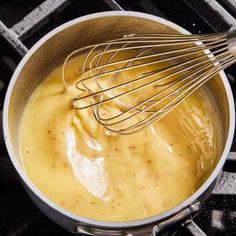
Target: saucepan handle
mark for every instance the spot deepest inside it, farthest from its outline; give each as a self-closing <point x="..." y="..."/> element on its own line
<point x="193" y="229"/>
<point x="177" y="218"/>
<point x="191" y="226"/>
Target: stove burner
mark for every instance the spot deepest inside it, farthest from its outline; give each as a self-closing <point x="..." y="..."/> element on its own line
<point x="23" y="24"/>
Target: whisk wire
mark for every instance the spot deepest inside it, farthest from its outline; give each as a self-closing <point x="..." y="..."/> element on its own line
<point x="153" y="96"/>
<point x="145" y="77"/>
<point x="142" y="58"/>
<point x="165" y="69"/>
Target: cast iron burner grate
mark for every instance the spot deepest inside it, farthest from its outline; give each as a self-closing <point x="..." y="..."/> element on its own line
<point x="23" y="24"/>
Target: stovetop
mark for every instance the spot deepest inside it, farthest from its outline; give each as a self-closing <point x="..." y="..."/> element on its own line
<point x="23" y="24"/>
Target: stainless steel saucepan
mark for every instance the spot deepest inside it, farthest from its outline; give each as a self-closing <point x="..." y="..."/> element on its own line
<point x="50" y="52"/>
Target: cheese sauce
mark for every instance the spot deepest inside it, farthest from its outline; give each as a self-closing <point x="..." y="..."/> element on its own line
<point x="93" y="173"/>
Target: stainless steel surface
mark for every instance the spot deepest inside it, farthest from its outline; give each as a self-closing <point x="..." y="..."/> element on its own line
<point x="57" y="44"/>
<point x="89" y="230"/>
<point x="195" y="207"/>
<point x="156" y="229"/>
<point x="179" y="66"/>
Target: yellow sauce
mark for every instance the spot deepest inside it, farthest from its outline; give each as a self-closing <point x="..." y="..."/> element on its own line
<point x="90" y="172"/>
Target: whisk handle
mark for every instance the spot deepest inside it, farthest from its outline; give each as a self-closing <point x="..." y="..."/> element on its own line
<point x="231" y="38"/>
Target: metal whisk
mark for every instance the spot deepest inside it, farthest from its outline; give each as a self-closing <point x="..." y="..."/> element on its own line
<point x="134" y="81"/>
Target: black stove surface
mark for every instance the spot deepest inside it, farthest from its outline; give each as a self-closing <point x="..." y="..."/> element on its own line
<point x="18" y="215"/>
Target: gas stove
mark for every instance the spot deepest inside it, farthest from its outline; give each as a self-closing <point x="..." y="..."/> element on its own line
<point x="23" y="24"/>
